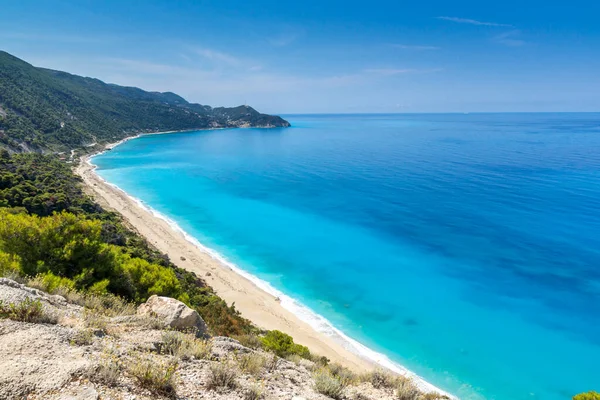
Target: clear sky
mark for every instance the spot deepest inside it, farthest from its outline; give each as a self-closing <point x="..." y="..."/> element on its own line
<point x="325" y="56"/>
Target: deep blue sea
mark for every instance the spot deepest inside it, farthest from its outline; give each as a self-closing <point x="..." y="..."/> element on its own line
<point x="464" y="247"/>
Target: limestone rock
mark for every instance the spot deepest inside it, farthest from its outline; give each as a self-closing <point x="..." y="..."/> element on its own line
<point x="174" y="313"/>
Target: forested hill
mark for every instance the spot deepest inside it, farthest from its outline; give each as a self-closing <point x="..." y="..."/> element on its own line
<point x="46" y="110"/>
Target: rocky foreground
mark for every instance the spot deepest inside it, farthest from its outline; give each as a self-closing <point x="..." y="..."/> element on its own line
<point x="54" y="348"/>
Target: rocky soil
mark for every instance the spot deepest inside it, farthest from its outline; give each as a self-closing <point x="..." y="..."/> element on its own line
<point x="72" y="352"/>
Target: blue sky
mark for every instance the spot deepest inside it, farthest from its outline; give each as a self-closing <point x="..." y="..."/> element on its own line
<point x="325" y="56"/>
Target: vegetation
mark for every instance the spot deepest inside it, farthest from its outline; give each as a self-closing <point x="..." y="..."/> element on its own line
<point x="254" y="392"/>
<point x="222" y="376"/>
<point x="591" y="395"/>
<point x="27" y="311"/>
<point x="184" y="346"/>
<point x="283" y="345"/>
<point x="252" y="363"/>
<point x="328" y="384"/>
<point x="156" y="376"/>
<point x="51" y="230"/>
<point x="45" y="109"/>
<point x="406" y="390"/>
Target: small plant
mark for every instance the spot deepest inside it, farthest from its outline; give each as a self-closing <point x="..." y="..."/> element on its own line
<point x="27" y="311"/>
<point x="381" y="379"/>
<point x="92" y="319"/>
<point x="406" y="390"/>
<point x="272" y="363"/>
<point x="591" y="395"/>
<point x="158" y="377"/>
<point x="252" y="363"/>
<point x="250" y="341"/>
<point x="184" y="346"/>
<point x="328" y="384"/>
<point x="83" y="338"/>
<point x="221" y="376"/>
<point x="108" y="370"/>
<point x="283" y="344"/>
<point x="253" y="392"/>
<point x="345" y="375"/>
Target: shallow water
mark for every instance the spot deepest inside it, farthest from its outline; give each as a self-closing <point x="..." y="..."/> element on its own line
<point x="464" y="247"/>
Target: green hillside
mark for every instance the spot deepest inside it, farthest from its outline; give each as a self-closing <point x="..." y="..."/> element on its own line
<point x="42" y="109"/>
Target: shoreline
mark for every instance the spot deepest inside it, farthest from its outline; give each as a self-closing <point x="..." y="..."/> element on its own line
<point x="256" y="299"/>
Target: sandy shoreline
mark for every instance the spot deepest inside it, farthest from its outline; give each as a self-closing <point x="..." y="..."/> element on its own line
<point x="254" y="303"/>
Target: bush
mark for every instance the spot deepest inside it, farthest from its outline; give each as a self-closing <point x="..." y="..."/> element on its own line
<point x="591" y="395"/>
<point x="251" y="341"/>
<point x="221" y="376"/>
<point x="10" y="265"/>
<point x="83" y="338"/>
<point x="406" y="390"/>
<point x="329" y="385"/>
<point x="253" y="392"/>
<point x="27" y="311"/>
<point x="252" y="363"/>
<point x="345" y="375"/>
<point x="108" y="370"/>
<point x="283" y="345"/>
<point x="381" y="379"/>
<point x="184" y="346"/>
<point x="156" y="376"/>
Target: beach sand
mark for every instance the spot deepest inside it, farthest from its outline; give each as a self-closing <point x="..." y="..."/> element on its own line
<point x="255" y="304"/>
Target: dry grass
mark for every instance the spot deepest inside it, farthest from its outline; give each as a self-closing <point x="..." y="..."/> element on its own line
<point x="184" y="346"/>
<point x="221" y="376"/>
<point x="380" y="379"/>
<point x="250" y="341"/>
<point x="108" y="305"/>
<point x="27" y="311"/>
<point x="271" y="363"/>
<point x="254" y="392"/>
<point x="108" y="370"/>
<point x="83" y="337"/>
<point x="345" y="375"/>
<point x="94" y="320"/>
<point x="328" y="384"/>
<point x="252" y="363"/>
<point x="149" y="322"/>
<point x="156" y="376"/>
<point x="406" y="390"/>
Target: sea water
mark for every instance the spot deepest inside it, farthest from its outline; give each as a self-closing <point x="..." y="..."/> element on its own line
<point x="465" y="248"/>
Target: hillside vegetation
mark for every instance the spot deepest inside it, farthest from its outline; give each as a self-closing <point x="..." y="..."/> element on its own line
<point x="50" y="229"/>
<point x="42" y="109"/>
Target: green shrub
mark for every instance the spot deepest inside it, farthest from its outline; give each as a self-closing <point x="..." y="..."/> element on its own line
<point x="27" y="311"/>
<point x="283" y="345"/>
<point x="591" y="395"/>
<point x="10" y="265"/>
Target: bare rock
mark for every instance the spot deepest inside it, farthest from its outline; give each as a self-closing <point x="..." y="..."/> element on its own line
<point x="174" y="313"/>
<point x="14" y="292"/>
<point x="36" y="358"/>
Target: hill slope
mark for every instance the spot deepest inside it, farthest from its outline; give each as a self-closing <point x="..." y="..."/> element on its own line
<point x="42" y="109"/>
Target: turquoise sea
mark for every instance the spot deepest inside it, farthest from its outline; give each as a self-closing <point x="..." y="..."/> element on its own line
<point x="463" y="247"/>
